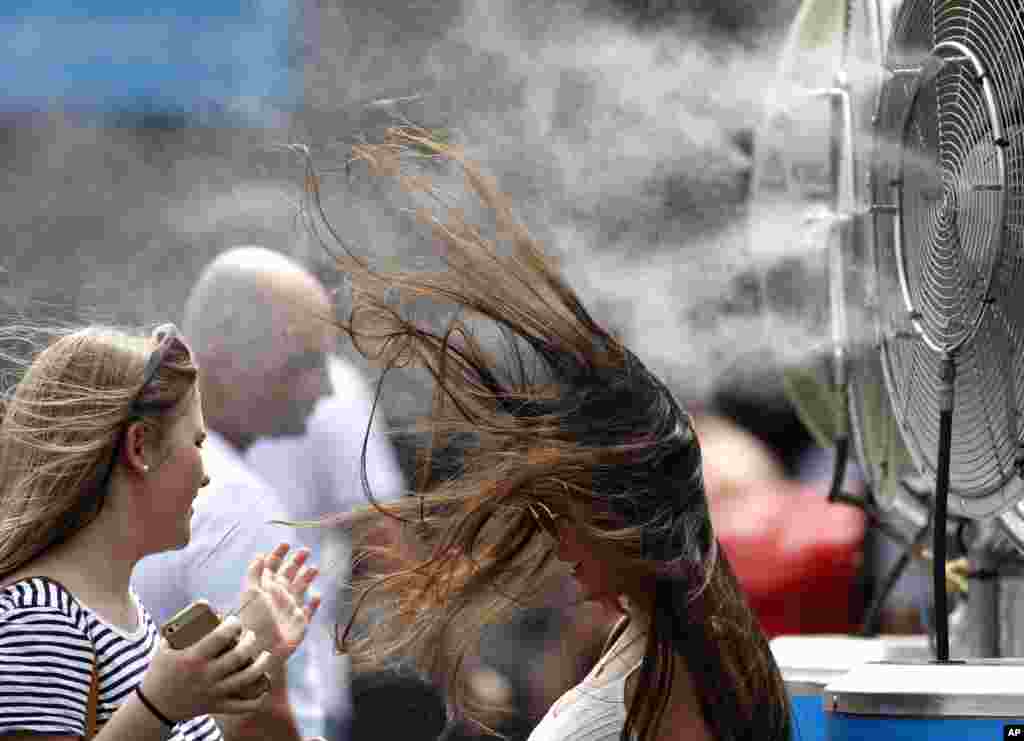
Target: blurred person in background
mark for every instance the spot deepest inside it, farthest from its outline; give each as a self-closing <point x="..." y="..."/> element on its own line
<point x="735" y="460"/>
<point x="582" y="459"/>
<point x="796" y="555"/>
<point x="317" y="473"/>
<point x="261" y="333"/>
<point x="100" y="465"/>
<point x="906" y="602"/>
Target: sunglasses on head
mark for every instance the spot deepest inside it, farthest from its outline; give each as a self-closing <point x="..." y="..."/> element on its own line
<point x="166" y="336"/>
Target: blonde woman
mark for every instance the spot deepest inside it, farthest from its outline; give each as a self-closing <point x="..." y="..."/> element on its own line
<point x="576" y="455"/>
<point x="99" y="465"/>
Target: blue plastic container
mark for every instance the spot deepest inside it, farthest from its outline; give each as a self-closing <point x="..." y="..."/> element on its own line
<point x="805" y="702"/>
<point x="976" y="699"/>
<point x="809" y="663"/>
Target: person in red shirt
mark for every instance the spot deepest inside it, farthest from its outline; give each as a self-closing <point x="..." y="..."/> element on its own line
<point x="795" y="554"/>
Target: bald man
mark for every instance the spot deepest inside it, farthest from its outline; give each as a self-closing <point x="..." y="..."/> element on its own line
<point x="259" y="328"/>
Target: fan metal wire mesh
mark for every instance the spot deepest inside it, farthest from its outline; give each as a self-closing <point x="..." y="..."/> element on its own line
<point x="810" y="180"/>
<point x="949" y="215"/>
<point x="878" y="443"/>
<point x="802" y="170"/>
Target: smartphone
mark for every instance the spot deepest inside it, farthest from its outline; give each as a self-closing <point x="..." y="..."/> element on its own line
<point x="190" y="624"/>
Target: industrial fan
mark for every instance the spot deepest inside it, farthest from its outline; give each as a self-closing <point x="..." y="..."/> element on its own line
<point x="878" y="442"/>
<point x="820" y="299"/>
<point x="947" y="212"/>
<point x="795" y="190"/>
<point x="818" y="283"/>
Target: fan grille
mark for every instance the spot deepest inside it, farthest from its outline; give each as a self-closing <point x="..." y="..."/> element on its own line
<point x="949" y="157"/>
<point x="878" y="443"/>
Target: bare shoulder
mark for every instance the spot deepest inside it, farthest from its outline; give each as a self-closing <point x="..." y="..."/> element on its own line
<point x="683" y="719"/>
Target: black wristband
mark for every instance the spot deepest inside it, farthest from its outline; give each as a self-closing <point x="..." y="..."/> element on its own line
<point x="152" y="708"/>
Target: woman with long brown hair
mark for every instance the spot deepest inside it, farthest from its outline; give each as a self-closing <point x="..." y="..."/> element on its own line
<point x="578" y="456"/>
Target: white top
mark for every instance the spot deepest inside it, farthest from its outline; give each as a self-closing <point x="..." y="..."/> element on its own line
<point x="49" y="641"/>
<point x="317" y="474"/>
<point x="590" y="711"/>
<point x="239" y="502"/>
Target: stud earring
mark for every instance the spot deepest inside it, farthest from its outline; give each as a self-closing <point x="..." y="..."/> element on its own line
<point x="145" y="467"/>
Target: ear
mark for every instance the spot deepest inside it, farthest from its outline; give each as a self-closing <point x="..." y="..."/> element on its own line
<point x="135" y="450"/>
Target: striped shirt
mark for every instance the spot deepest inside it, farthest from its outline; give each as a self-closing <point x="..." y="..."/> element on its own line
<point x="48" y="642"/>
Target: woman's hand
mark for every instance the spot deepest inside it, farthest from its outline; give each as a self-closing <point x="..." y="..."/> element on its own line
<point x="208" y="676"/>
<point x="273" y="601"/>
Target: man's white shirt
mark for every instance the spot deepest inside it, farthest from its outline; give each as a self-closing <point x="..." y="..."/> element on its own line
<point x="318" y="474"/>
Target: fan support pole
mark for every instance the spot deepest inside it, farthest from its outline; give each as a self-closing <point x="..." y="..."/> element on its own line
<point x="941" y="611"/>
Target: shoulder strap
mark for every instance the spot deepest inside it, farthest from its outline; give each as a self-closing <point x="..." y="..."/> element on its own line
<point x="616" y="633"/>
<point x="94" y="697"/>
<point x="92" y="705"/>
<point x="90" y="710"/>
<point x="613" y="638"/>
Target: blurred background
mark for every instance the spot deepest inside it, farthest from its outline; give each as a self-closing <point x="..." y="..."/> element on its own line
<point x="141" y="140"/>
